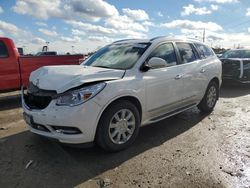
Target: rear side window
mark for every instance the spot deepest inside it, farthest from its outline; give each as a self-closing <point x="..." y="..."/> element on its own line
<point x="3" y="50"/>
<point x="166" y="52"/>
<point x="186" y="51"/>
<point x="204" y="50"/>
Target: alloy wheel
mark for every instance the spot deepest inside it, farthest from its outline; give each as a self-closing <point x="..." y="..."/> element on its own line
<point x="122" y="126"/>
<point x="211" y="96"/>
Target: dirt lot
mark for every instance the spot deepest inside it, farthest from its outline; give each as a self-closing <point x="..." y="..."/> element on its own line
<point x="187" y="150"/>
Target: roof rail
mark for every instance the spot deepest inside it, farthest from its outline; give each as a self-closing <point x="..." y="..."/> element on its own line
<point x="175" y="38"/>
<point x="157" y="38"/>
<point x="123" y="40"/>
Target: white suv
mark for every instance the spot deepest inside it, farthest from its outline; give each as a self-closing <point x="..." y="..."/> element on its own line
<point x="123" y="86"/>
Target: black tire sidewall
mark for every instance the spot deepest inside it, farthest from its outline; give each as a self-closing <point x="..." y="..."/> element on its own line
<point x="203" y="104"/>
<point x="103" y="138"/>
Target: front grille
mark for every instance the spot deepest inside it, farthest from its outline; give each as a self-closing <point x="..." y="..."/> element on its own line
<point x="37" y="102"/>
<point x="246" y="73"/>
<point x="37" y="98"/>
<point x="230" y="68"/>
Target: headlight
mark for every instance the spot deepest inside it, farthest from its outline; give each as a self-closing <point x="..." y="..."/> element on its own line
<point x="77" y="97"/>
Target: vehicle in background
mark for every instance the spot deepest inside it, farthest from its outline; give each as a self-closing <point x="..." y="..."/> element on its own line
<point x="219" y="55"/>
<point x="121" y="87"/>
<point x="219" y="51"/>
<point x="15" y="69"/>
<point x="46" y="53"/>
<point x="236" y="66"/>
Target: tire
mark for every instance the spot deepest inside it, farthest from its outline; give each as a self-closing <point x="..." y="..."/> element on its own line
<point x="210" y="98"/>
<point x="115" y="121"/>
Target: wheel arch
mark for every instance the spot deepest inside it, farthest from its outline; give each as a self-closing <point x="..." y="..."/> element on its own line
<point x="216" y="80"/>
<point x="134" y="100"/>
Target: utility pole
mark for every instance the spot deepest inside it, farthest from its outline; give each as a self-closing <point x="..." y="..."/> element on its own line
<point x="204" y="35"/>
<point x="24" y="49"/>
<point x="46" y="48"/>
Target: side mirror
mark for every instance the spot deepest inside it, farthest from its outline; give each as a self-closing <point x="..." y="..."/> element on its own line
<point x="154" y="63"/>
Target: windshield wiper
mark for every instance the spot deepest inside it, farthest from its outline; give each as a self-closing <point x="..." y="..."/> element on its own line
<point x="101" y="66"/>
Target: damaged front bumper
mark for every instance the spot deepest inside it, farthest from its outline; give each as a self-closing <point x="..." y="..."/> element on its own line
<point x="71" y="125"/>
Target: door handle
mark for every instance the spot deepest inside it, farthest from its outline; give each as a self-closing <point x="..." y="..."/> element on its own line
<point x="179" y="76"/>
<point x="203" y="70"/>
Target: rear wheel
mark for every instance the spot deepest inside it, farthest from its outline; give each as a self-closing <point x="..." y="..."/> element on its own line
<point x="118" y="126"/>
<point x="209" y="100"/>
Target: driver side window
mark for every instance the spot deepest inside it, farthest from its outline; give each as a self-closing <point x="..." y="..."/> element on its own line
<point x="166" y="52"/>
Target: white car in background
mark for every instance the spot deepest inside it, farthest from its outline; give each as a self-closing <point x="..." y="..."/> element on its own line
<point x="123" y="86"/>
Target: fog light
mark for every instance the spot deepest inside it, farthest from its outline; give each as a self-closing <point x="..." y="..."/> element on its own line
<point x="66" y="130"/>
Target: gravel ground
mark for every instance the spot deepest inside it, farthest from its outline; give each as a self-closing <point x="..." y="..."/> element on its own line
<point x="187" y="150"/>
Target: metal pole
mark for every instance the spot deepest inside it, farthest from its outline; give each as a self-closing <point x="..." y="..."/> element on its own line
<point x="204" y="34"/>
<point x="47" y="49"/>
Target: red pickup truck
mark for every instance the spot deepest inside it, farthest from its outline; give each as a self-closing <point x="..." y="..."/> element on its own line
<point x="15" y="69"/>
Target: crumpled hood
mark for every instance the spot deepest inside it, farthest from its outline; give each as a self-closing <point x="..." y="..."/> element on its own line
<point x="63" y="78"/>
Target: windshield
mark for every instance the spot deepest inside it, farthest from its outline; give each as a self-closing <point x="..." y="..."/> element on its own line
<point x="236" y="54"/>
<point x="117" y="56"/>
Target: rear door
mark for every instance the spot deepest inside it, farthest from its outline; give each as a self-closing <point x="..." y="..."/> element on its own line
<point x="208" y="67"/>
<point x="190" y="73"/>
<point x="163" y="87"/>
<point x="9" y="68"/>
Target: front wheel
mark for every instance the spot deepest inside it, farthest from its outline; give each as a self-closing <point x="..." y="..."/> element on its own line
<point x="209" y="100"/>
<point x="118" y="126"/>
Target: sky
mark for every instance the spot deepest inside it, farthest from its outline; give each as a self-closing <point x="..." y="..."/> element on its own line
<point x="81" y="26"/>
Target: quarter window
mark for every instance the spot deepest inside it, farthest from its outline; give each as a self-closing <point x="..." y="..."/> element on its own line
<point x="3" y="50"/>
<point x="166" y="52"/>
<point x="186" y="52"/>
<point x="204" y="50"/>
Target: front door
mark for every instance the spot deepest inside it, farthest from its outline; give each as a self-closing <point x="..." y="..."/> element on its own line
<point x="163" y="85"/>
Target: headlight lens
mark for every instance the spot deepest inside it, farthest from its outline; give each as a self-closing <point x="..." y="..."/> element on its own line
<point x="80" y="96"/>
